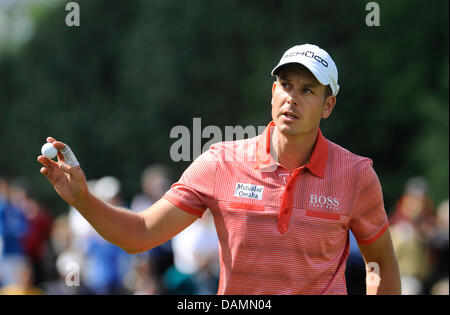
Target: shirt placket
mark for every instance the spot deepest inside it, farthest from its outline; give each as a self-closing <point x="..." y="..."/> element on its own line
<point x="284" y="216"/>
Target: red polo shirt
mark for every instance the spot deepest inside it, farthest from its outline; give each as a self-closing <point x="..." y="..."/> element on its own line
<point x="283" y="233"/>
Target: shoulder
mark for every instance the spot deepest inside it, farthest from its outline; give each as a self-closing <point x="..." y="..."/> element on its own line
<point x="237" y="150"/>
<point x="225" y="145"/>
<point x="343" y="159"/>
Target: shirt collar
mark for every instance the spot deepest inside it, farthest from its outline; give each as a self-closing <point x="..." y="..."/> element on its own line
<point x="265" y="162"/>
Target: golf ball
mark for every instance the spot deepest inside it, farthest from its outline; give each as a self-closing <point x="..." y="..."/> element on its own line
<point x="49" y="151"/>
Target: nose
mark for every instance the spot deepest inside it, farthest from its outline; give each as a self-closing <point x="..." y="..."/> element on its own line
<point x="292" y="99"/>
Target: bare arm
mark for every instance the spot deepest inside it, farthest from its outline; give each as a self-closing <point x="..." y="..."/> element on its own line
<point x="133" y="232"/>
<point x="384" y="278"/>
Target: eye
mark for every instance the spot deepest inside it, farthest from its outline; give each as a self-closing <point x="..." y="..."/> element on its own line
<point x="307" y="91"/>
<point x="285" y="85"/>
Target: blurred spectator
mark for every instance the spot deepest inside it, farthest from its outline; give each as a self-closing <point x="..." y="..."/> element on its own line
<point x="154" y="184"/>
<point x="440" y="287"/>
<point x="355" y="271"/>
<point x="196" y="254"/>
<point x="414" y="231"/>
<point x="142" y="278"/>
<point x="439" y="248"/>
<point x="411" y="285"/>
<point x="60" y="236"/>
<point x="80" y="229"/>
<point x="61" y="242"/>
<point x="178" y="283"/>
<point x="68" y="265"/>
<point x="13" y="228"/>
<point x="36" y="241"/>
<point x="189" y="263"/>
<point x="415" y="206"/>
<point x="105" y="264"/>
<point x="24" y="284"/>
<point x="412" y="257"/>
<point x="3" y="201"/>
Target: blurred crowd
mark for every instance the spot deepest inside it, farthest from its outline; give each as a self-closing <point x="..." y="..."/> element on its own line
<point x="43" y="254"/>
<point x="420" y="232"/>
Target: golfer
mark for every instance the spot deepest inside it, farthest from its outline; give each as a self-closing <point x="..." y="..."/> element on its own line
<point x="283" y="202"/>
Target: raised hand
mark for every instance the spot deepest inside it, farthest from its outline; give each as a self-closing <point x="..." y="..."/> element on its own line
<point x="65" y="175"/>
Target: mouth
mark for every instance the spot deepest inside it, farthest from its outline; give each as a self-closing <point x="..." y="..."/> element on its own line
<point x="289" y="115"/>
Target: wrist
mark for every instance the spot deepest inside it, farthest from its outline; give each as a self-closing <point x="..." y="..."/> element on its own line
<point x="84" y="201"/>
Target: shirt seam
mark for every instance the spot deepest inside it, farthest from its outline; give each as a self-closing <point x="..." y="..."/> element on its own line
<point x="360" y="186"/>
<point x="375" y="236"/>
<point x="181" y="199"/>
<point x="215" y="197"/>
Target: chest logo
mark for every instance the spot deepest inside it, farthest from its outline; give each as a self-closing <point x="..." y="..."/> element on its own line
<point x="249" y="191"/>
<point x="327" y="202"/>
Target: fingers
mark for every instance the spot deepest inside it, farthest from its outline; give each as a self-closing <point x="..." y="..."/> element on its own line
<point x="45" y="171"/>
<point x="75" y="172"/>
<point x="67" y="162"/>
<point x="58" y="145"/>
<point x="50" y="169"/>
<point x="54" y="170"/>
<point x="46" y="161"/>
<point x="66" y="168"/>
<point x="65" y="154"/>
<point x="69" y="157"/>
<point x="50" y="165"/>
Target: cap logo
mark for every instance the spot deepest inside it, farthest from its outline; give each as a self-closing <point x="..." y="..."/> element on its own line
<point x="309" y="54"/>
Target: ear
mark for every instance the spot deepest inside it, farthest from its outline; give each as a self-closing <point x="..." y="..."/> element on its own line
<point x="274" y="85"/>
<point x="328" y="106"/>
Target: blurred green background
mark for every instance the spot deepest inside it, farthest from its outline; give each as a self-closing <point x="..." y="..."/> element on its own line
<point x="115" y="86"/>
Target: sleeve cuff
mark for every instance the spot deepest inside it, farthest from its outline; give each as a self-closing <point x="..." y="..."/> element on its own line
<point x="183" y="206"/>
<point x="375" y="237"/>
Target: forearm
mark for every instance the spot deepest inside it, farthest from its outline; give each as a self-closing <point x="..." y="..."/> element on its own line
<point x="382" y="272"/>
<point x="383" y="279"/>
<point x="117" y="225"/>
<point x="133" y="232"/>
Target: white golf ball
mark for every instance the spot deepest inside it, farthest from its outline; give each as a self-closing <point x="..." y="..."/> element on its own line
<point x="49" y="151"/>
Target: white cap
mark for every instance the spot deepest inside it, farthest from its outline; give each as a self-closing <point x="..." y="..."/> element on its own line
<point x="317" y="60"/>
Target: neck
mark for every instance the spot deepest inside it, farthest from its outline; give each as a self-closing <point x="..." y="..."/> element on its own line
<point x="293" y="152"/>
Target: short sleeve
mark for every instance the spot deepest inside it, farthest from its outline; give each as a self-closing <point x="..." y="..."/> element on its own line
<point x="195" y="189"/>
<point x="369" y="220"/>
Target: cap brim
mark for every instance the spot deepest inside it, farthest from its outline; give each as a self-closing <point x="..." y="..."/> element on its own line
<point x="317" y="74"/>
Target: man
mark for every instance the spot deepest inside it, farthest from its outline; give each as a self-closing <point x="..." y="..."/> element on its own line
<point x="283" y="202"/>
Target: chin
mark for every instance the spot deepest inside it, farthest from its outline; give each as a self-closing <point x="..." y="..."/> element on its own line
<point x="287" y="130"/>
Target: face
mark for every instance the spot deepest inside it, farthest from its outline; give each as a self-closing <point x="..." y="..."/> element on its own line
<point x="299" y="101"/>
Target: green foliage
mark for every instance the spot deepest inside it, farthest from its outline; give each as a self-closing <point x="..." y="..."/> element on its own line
<point x="114" y="87"/>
